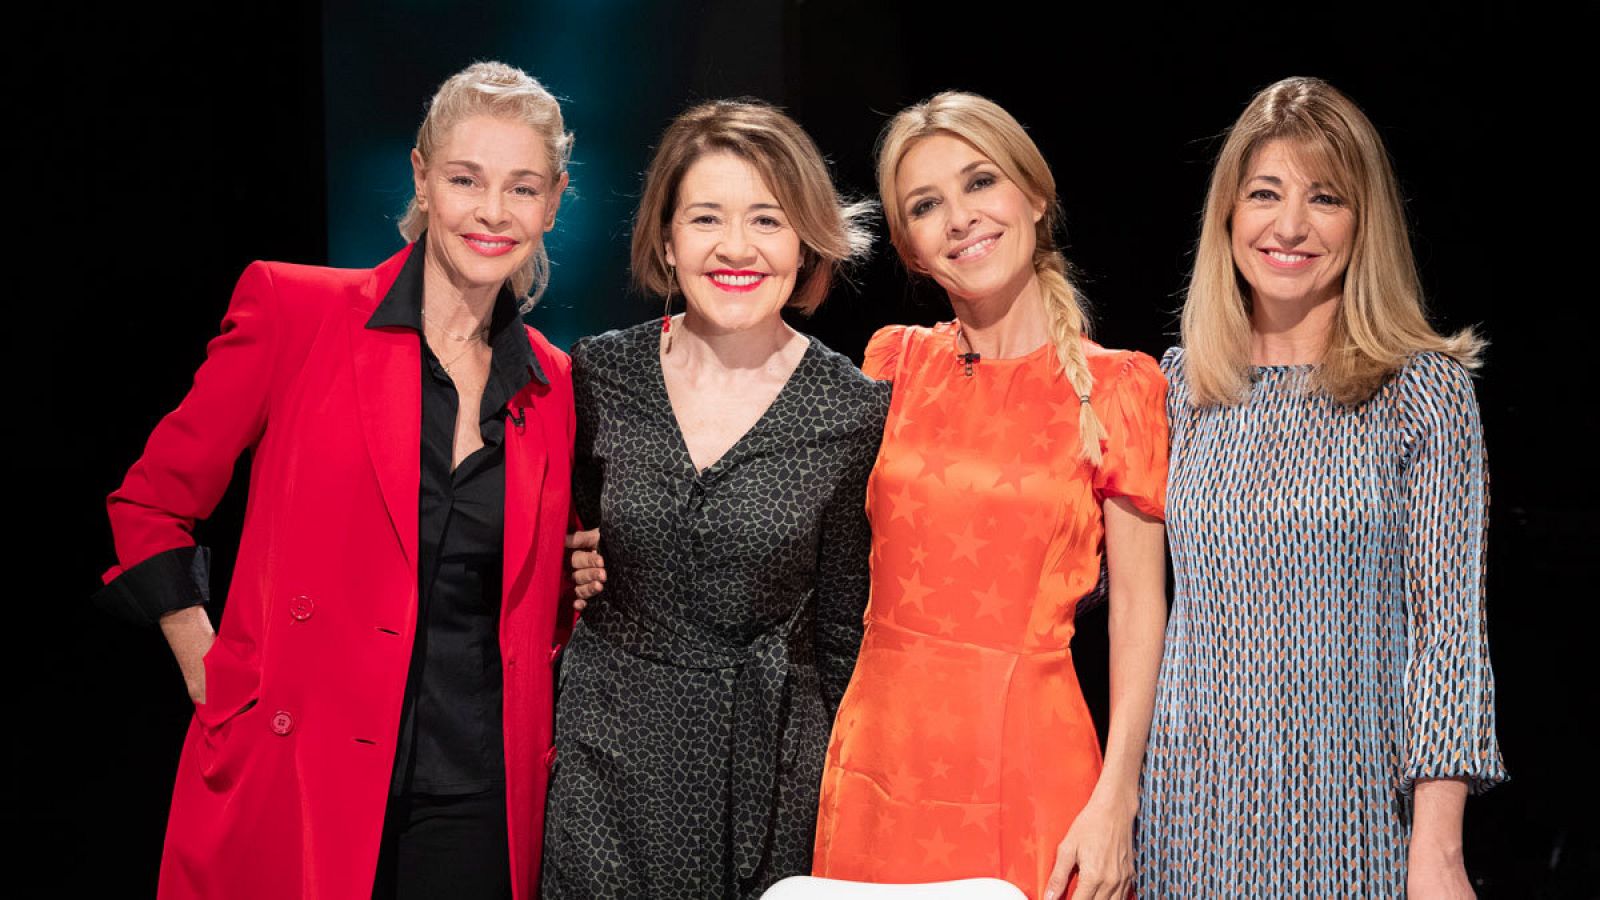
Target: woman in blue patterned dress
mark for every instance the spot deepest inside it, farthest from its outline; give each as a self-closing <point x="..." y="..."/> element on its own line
<point x="1326" y="702"/>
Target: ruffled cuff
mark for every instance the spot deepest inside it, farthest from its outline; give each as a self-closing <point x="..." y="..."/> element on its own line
<point x="166" y="582"/>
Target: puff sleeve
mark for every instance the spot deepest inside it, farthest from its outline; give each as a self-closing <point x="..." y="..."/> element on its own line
<point x="1132" y="407"/>
<point x="882" y="359"/>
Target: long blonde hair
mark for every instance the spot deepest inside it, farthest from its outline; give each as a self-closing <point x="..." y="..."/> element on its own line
<point x="996" y="134"/>
<point x="830" y="229"/>
<point x="506" y="92"/>
<point x="1381" y="321"/>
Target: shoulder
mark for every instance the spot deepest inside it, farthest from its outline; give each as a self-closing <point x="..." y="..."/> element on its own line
<point x="1123" y="371"/>
<point x="615" y="349"/>
<point x="300" y="291"/>
<point x="556" y="364"/>
<point x="1432" y="388"/>
<point x="849" y="390"/>
<point x="882" y="358"/>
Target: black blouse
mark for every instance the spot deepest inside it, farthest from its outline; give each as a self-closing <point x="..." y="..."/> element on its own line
<point x="451" y="739"/>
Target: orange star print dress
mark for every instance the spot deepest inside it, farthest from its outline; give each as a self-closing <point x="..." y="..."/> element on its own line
<point x="963" y="747"/>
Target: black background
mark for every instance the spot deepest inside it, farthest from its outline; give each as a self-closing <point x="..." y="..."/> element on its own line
<point x="161" y="152"/>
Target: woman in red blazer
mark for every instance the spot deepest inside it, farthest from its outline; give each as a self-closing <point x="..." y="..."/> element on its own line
<point x="374" y="715"/>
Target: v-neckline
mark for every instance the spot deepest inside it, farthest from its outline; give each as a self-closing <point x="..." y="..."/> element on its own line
<point x="696" y="472"/>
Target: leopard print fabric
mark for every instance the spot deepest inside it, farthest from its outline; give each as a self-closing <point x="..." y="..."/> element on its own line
<point x="697" y="694"/>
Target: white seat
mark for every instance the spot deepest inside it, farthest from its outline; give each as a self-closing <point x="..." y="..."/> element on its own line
<point x="803" y="887"/>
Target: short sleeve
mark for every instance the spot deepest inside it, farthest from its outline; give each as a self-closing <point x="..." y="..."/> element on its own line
<point x="1132" y="407"/>
<point x="1449" y="684"/>
<point x="882" y="359"/>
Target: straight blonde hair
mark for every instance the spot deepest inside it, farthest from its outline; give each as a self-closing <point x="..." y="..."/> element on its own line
<point x="504" y="92"/>
<point x="830" y="230"/>
<point x="1381" y="321"/>
<point x="997" y="135"/>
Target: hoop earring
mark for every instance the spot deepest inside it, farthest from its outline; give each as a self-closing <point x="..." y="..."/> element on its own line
<point x="666" y="312"/>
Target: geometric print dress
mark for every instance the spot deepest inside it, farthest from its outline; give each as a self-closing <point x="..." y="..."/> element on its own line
<point x="1326" y="645"/>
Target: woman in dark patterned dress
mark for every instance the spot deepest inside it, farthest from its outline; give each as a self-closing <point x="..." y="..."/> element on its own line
<point x="1325" y="701"/>
<point x="724" y="457"/>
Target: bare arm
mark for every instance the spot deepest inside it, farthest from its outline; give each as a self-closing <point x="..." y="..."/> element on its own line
<point x="1436" y="866"/>
<point x="1100" y="842"/>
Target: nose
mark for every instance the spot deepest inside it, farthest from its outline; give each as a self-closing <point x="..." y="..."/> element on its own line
<point x="735" y="246"/>
<point x="492" y="211"/>
<point x="959" y="216"/>
<point x="1291" y="225"/>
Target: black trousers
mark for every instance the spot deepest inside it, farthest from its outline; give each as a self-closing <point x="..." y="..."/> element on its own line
<point x="442" y="846"/>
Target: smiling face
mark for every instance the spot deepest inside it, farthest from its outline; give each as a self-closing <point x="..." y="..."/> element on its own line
<point x="1291" y="234"/>
<point x="490" y="194"/>
<point x="733" y="248"/>
<point x="967" y="224"/>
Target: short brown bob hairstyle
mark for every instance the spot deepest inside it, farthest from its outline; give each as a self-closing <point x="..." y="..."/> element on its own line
<point x="831" y="231"/>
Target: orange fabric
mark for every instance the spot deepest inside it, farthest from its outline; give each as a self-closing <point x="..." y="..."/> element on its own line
<point x="963" y="747"/>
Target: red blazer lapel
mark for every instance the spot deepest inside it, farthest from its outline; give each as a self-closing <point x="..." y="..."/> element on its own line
<point x="526" y="460"/>
<point x="388" y="377"/>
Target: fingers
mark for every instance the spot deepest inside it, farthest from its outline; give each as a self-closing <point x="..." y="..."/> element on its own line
<point x="1066" y="858"/>
<point x="584" y="540"/>
<point x="587" y="560"/>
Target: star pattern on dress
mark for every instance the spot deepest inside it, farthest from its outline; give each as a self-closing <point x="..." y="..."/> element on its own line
<point x="967" y="543"/>
<point x="965" y="672"/>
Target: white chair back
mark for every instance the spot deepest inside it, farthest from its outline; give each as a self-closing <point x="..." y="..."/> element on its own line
<point x="803" y="887"/>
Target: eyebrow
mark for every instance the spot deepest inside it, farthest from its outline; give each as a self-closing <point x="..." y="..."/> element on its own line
<point x="928" y="188"/>
<point x="1275" y="181"/>
<point x="518" y="173"/>
<point x="718" y="206"/>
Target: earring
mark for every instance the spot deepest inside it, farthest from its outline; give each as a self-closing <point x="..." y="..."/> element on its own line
<point x="666" y="312"/>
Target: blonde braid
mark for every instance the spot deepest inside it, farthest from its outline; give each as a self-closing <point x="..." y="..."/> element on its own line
<point x="1067" y="328"/>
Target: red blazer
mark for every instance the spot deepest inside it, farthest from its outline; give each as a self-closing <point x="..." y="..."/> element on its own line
<point x="286" y="768"/>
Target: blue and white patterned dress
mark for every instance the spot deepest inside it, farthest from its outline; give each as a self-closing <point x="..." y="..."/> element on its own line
<point x="1327" y="644"/>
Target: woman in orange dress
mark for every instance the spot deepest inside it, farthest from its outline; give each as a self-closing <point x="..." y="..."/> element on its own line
<point x="1017" y="456"/>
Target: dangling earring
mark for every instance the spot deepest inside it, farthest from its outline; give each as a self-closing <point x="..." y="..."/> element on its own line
<point x="666" y="312"/>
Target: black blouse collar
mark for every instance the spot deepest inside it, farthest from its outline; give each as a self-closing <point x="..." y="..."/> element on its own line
<point x="402" y="308"/>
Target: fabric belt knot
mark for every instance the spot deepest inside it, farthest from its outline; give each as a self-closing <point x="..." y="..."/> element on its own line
<point x="760" y="706"/>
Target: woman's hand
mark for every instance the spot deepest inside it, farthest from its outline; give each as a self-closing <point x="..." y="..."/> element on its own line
<point x="588" y="568"/>
<point x="189" y="633"/>
<point x="1099" y="845"/>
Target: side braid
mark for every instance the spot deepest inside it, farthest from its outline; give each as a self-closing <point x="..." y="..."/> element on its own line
<point x="1067" y="327"/>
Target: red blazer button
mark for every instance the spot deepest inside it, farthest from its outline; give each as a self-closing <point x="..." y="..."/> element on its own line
<point x="550" y="757"/>
<point x="282" y="722"/>
<point x="301" y="608"/>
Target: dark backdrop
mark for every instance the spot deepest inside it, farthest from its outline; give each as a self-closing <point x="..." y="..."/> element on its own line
<point x="162" y="152"/>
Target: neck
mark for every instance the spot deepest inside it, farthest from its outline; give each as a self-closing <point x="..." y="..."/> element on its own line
<point x="1292" y="332"/>
<point x="699" y="344"/>
<point x="451" y="304"/>
<point x="1010" y="324"/>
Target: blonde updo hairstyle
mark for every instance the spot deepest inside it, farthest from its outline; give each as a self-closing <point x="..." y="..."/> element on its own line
<point x="504" y="92"/>
<point x="997" y="135"/>
<point x="1381" y="321"/>
<point x="830" y="230"/>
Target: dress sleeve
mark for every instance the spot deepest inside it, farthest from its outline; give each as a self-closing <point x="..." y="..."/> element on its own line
<point x="1449" y="685"/>
<point x="586" y="472"/>
<point x="1133" y="410"/>
<point x="188" y="462"/>
<point x="882" y="359"/>
<point x="843" y="554"/>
